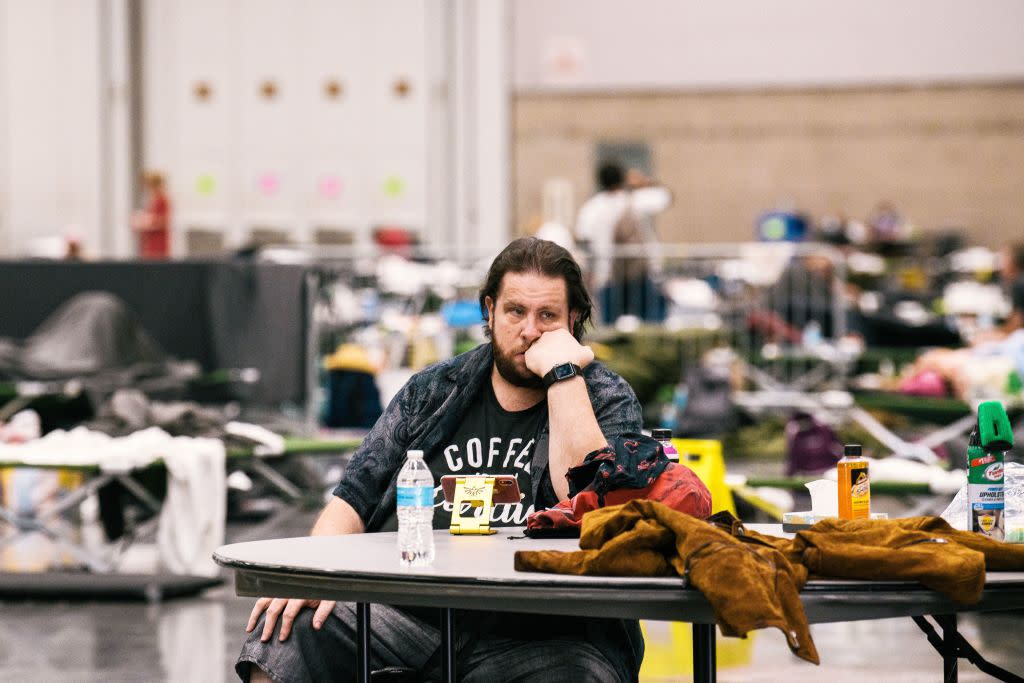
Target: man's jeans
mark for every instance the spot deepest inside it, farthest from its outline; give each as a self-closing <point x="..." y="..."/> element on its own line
<point x="400" y="639"/>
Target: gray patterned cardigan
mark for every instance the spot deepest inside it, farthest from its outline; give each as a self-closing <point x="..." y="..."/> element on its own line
<point x="426" y="413"/>
<point x="428" y="410"/>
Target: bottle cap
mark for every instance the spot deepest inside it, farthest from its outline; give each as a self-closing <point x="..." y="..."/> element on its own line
<point x="415" y="454"/>
<point x="661" y="434"/>
<point x="994" y="427"/>
<point x="851" y="450"/>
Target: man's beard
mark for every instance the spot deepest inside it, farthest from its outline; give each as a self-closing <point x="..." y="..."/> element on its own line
<point x="506" y="365"/>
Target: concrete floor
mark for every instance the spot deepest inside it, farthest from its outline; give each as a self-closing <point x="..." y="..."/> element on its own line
<point x="197" y="640"/>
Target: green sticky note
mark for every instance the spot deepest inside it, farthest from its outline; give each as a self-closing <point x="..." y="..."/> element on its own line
<point x="206" y="184"/>
<point x="394" y="186"/>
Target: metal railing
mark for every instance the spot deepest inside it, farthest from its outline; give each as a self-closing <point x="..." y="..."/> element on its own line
<point x="778" y="306"/>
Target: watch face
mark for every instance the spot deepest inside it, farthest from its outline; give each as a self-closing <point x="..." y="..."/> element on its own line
<point x="564" y="371"/>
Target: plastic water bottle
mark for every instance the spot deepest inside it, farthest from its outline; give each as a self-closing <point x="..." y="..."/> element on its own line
<point x="665" y="437"/>
<point x="415" y="512"/>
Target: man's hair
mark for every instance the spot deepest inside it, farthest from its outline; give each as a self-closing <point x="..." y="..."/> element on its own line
<point x="610" y="176"/>
<point x="532" y="255"/>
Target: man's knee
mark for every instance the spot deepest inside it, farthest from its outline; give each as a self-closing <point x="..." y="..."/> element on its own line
<point x="307" y="653"/>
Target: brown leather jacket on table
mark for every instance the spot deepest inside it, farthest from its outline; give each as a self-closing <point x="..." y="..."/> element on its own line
<point x="644" y="538"/>
<point x="923" y="549"/>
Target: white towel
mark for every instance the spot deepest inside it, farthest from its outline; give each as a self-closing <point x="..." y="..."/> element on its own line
<point x="192" y="519"/>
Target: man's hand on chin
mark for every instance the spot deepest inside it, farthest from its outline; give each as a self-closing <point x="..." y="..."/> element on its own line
<point x="555" y="347"/>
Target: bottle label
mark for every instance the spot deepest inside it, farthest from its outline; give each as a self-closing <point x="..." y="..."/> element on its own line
<point x="985" y="493"/>
<point x="415" y="496"/>
<point x="860" y="493"/>
<point x="993" y="472"/>
<point x="987" y="509"/>
<point x="670" y="451"/>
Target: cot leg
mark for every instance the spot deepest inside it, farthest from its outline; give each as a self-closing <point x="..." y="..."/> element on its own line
<point x="278" y="481"/>
<point x="704" y="653"/>
<point x="363" y="635"/>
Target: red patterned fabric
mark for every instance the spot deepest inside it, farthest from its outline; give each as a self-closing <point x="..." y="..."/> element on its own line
<point x="632" y="459"/>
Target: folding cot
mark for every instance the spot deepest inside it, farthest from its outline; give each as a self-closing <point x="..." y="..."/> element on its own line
<point x="48" y="519"/>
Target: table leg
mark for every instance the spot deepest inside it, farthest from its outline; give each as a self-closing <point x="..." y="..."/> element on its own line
<point x="363" y="636"/>
<point x="952" y="646"/>
<point x="704" y="653"/>
<point x="447" y="645"/>
<point x="951" y="655"/>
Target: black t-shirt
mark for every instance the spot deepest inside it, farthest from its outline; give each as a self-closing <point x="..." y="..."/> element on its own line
<point x="490" y="440"/>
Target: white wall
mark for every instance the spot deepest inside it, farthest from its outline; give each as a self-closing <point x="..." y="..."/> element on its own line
<point x="589" y="45"/>
<point x="118" y="176"/>
<point x="479" y="89"/>
<point x="369" y="139"/>
<point x="50" y="81"/>
<point x="5" y="197"/>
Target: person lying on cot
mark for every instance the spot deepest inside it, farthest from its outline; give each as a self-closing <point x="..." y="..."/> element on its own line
<point x="985" y="368"/>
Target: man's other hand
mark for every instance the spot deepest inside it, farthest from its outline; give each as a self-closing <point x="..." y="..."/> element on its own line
<point x="555" y="347"/>
<point x="286" y="609"/>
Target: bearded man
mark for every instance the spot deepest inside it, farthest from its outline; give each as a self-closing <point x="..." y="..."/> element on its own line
<point x="530" y="403"/>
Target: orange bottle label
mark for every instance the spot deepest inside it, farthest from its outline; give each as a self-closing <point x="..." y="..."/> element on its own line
<point x="854" y="490"/>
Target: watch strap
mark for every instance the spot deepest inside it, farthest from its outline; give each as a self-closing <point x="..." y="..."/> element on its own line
<point x="560" y="373"/>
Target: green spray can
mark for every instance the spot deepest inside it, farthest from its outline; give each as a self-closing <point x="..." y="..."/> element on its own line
<point x="992" y="438"/>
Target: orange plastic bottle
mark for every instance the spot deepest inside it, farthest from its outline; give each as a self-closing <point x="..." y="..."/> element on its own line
<point x="854" y="484"/>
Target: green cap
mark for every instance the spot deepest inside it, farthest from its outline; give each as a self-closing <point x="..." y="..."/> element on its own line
<point x="994" y="427"/>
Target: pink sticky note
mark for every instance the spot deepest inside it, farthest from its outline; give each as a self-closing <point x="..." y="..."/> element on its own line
<point x="269" y="183"/>
<point x="330" y="187"/>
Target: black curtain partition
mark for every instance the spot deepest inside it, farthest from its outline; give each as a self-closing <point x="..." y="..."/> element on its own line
<point x="223" y="314"/>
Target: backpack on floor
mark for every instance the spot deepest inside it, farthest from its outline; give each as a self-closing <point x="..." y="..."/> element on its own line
<point x="811" y="445"/>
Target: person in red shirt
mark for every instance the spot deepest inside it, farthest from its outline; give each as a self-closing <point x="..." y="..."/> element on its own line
<point x="153" y="223"/>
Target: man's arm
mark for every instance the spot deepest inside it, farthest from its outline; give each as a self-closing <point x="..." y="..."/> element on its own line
<point x="337" y="518"/>
<point x="365" y="478"/>
<point x="574" y="429"/>
<point x="651" y="200"/>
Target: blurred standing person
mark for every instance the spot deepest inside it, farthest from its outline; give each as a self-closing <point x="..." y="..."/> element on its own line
<point x="1011" y="277"/>
<point x="153" y="224"/>
<point x="620" y="214"/>
<point x="1011" y="270"/>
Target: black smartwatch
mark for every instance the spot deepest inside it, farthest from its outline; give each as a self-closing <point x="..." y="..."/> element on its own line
<point x="560" y="373"/>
